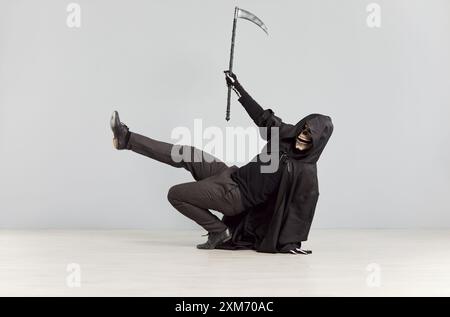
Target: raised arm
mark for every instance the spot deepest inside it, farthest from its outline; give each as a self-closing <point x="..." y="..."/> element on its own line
<point x="261" y="117"/>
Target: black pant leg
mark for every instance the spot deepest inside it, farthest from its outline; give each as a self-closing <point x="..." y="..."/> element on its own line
<point x="200" y="164"/>
<point x="195" y="199"/>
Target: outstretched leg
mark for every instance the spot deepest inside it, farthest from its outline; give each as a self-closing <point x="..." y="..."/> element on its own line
<point x="200" y="164"/>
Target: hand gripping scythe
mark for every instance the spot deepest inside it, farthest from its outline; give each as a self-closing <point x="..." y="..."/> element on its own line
<point x="243" y="14"/>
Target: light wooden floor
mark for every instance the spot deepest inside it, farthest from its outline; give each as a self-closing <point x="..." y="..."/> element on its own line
<point x="143" y="263"/>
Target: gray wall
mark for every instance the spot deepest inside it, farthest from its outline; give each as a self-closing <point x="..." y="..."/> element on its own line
<point x="160" y="64"/>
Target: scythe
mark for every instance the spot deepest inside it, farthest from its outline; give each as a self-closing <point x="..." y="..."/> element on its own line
<point x="243" y="14"/>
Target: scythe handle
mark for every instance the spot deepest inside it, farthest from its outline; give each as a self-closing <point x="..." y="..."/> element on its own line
<point x="227" y="116"/>
<point x="230" y="67"/>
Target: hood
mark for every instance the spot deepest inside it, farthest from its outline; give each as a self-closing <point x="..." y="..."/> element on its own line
<point x="321" y="128"/>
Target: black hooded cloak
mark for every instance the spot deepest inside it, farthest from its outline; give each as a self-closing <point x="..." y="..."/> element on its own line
<point x="283" y="222"/>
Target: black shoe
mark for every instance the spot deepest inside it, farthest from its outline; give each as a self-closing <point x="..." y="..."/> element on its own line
<point x="120" y="131"/>
<point x="215" y="239"/>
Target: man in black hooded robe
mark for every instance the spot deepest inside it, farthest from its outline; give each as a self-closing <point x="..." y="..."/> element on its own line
<point x="265" y="211"/>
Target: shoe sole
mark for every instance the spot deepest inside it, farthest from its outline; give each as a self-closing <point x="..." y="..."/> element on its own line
<point x="113" y="124"/>
<point x="114" y="121"/>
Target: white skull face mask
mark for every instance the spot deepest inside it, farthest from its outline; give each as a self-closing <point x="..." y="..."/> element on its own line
<point x="304" y="139"/>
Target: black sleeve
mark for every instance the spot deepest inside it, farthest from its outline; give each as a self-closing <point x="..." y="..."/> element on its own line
<point x="262" y="118"/>
<point x="253" y="109"/>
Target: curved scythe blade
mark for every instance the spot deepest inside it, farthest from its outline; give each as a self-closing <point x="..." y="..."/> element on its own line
<point x="244" y="14"/>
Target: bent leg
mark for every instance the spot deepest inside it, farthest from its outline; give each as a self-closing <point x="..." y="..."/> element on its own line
<point x="200" y="164"/>
<point x="196" y="198"/>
